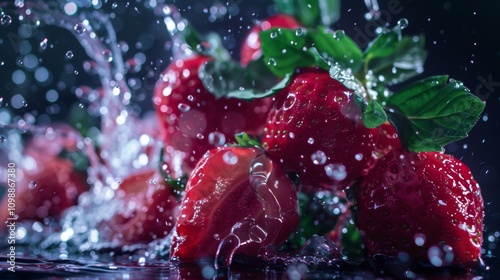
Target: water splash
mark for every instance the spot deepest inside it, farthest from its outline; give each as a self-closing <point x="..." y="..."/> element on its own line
<point x="373" y="10"/>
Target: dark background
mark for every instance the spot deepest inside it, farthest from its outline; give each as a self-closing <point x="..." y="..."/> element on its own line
<point x="461" y="38"/>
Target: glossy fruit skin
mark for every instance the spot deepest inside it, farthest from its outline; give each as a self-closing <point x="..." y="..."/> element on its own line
<point x="148" y="212"/>
<point x="315" y="130"/>
<point x="250" y="50"/>
<point x="388" y="140"/>
<point x="192" y="121"/>
<point x="221" y="192"/>
<point x="416" y="202"/>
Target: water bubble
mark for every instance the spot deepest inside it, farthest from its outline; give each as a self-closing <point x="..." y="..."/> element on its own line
<point x="216" y="138"/>
<point x="310" y="140"/>
<point x="32" y="185"/>
<point x="230" y="158"/>
<point x="5" y="20"/>
<point x="336" y="171"/>
<point x="43" y="44"/>
<point x="358" y="156"/>
<point x="183" y="107"/>
<point x="290" y="101"/>
<point x="420" y="239"/>
<point x="339" y="34"/>
<point x="108" y="55"/>
<point x="69" y="55"/>
<point x="79" y="28"/>
<point x="403" y="23"/>
<point x="271" y="62"/>
<point x="318" y="157"/>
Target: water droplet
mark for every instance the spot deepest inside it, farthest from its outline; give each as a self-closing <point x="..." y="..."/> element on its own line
<point x="310" y="140"/>
<point x="290" y="101"/>
<point x="403" y="23"/>
<point x="230" y="158"/>
<point x="318" y="157"/>
<point x="358" y="156"/>
<point x="108" y="55"/>
<point x="69" y="55"/>
<point x="299" y="31"/>
<point x="339" y="34"/>
<point x="273" y="35"/>
<point x="420" y="239"/>
<point x="32" y="185"/>
<point x="5" y="20"/>
<point x="336" y="171"/>
<point x="216" y="138"/>
<point x="79" y="28"/>
<point x="271" y="62"/>
<point x="43" y="44"/>
<point x="183" y="107"/>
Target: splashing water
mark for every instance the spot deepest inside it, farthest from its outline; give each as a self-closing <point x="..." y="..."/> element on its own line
<point x="124" y="138"/>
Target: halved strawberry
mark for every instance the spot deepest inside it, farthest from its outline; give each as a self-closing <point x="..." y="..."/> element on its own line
<point x="234" y="190"/>
<point x="192" y="120"/>
<point x="315" y="129"/>
<point x="425" y="204"/>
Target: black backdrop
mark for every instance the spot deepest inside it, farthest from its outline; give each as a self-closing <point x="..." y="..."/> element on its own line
<point x="461" y="39"/>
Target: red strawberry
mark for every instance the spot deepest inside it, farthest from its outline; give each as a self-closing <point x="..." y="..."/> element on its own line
<point x="222" y="193"/>
<point x="192" y="120"/>
<point x="46" y="182"/>
<point x="426" y="204"/>
<point x="388" y="139"/>
<point x="250" y="50"/>
<point x="46" y="187"/>
<point x="149" y="209"/>
<point x="315" y="129"/>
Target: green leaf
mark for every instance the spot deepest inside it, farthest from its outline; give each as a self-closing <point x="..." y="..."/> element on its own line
<point x="284" y="50"/>
<point x="221" y="76"/>
<point x="391" y="58"/>
<point x="320" y="61"/>
<point x="406" y="61"/>
<point x="373" y="115"/>
<point x="245" y="140"/>
<point x="191" y="36"/>
<point x="258" y="76"/>
<point x="311" y="13"/>
<point x="286" y="6"/>
<point x="249" y="94"/>
<point x="433" y="112"/>
<point x="338" y="47"/>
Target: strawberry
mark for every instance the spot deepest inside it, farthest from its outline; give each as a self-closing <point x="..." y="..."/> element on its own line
<point x="315" y="129"/>
<point x="425" y="204"/>
<point x="250" y="50"/>
<point x="48" y="181"/>
<point x="234" y="190"/>
<point x="388" y="139"/>
<point x="148" y="209"/>
<point x="193" y="121"/>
